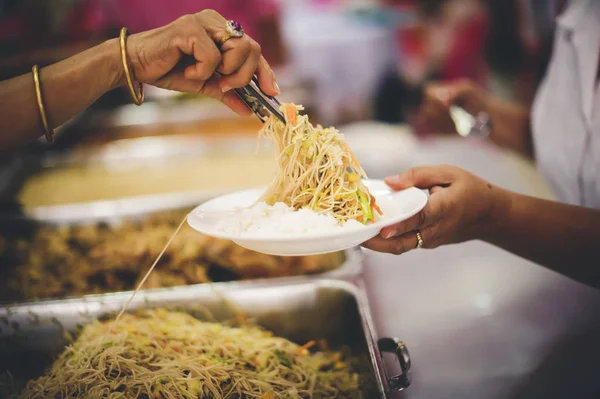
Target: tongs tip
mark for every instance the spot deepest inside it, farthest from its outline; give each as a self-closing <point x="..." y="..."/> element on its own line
<point x="260" y="103"/>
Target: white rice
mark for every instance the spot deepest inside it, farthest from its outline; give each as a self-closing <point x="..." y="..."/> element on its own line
<point x="281" y="220"/>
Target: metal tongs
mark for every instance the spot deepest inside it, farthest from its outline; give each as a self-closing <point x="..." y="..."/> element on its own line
<point x="261" y="104"/>
<point x="470" y="125"/>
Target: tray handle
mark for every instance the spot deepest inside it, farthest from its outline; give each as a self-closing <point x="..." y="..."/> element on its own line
<point x="400" y="382"/>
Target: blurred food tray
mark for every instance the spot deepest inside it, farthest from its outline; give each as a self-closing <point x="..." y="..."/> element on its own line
<point x="148" y="166"/>
<point x="107" y="246"/>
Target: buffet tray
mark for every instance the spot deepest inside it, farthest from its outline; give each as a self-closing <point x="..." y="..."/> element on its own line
<point x="337" y="311"/>
<point x="146" y="166"/>
<point x="114" y="212"/>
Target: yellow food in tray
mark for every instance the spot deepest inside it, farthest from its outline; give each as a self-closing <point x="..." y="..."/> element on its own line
<point x="55" y="262"/>
<point x="129" y="178"/>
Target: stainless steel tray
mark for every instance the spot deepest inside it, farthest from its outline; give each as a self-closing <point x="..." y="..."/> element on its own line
<point x="334" y="310"/>
<point x="115" y="211"/>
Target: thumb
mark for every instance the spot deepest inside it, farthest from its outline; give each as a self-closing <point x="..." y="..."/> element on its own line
<point x="463" y="90"/>
<point x="454" y="92"/>
<point x="422" y="177"/>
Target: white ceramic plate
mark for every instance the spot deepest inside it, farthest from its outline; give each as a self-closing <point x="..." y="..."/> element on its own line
<point x="396" y="206"/>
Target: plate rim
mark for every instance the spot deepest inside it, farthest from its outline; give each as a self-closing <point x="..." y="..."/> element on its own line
<point x="377" y="226"/>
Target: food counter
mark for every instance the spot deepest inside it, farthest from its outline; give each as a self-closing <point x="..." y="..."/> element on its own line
<point x="479" y="323"/>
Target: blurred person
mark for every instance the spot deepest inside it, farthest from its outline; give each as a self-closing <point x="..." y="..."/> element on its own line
<point x="485" y="41"/>
<point x="183" y="56"/>
<point x="446" y="42"/>
<point x="562" y="129"/>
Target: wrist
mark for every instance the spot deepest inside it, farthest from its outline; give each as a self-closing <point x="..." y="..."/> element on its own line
<point x="112" y="50"/>
<point x="500" y="213"/>
<point x="117" y="70"/>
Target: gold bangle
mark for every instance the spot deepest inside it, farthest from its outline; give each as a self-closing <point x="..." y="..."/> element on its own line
<point x="137" y="99"/>
<point x="38" y="92"/>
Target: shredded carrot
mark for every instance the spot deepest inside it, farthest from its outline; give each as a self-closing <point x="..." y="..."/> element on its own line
<point x="375" y="206"/>
<point x="290" y="109"/>
<point x="306" y="346"/>
<point x="354" y="159"/>
<point x="359" y="218"/>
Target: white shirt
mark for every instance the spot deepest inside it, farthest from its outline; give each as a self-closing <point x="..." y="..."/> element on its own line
<point x="566" y="111"/>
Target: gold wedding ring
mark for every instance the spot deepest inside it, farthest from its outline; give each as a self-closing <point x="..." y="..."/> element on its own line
<point x="419" y="240"/>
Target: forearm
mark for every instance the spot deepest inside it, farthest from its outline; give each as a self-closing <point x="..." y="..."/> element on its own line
<point x="511" y="126"/>
<point x="562" y="237"/>
<point x="68" y="87"/>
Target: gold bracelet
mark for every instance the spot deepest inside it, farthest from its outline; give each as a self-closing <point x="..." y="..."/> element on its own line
<point x="137" y="99"/>
<point x="38" y="92"/>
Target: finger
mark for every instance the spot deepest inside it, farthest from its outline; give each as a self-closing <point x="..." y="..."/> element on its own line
<point x="205" y="52"/>
<point x="175" y="80"/>
<point x="437" y="97"/>
<point x="415" y="222"/>
<point x="432" y="212"/>
<point x="423" y="177"/>
<point x="230" y="99"/>
<point x="235" y="52"/>
<point x="460" y="88"/>
<point x="429" y="215"/>
<point x="244" y="74"/>
<point x="210" y="88"/>
<point x="435" y="189"/>
<point x="433" y="111"/>
<point x="402" y="244"/>
<point x="266" y="78"/>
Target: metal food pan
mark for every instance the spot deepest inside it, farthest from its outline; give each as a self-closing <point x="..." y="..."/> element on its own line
<point x="33" y="334"/>
<point x="115" y="212"/>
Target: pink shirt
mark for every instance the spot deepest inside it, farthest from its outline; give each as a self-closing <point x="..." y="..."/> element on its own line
<point x="140" y="15"/>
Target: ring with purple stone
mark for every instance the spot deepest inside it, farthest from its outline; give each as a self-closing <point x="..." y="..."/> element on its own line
<point x="232" y="29"/>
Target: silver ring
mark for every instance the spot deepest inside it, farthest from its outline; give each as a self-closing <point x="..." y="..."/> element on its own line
<point x="419" y="240"/>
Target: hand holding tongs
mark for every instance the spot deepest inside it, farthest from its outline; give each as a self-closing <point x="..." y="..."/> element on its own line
<point x="261" y="104"/>
<point x="466" y="124"/>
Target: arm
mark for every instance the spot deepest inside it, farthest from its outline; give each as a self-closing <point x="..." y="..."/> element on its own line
<point x="511" y="122"/>
<point x="68" y="87"/>
<point x="562" y="237"/>
<point x="464" y="207"/>
<point x="511" y="125"/>
<point x="181" y="56"/>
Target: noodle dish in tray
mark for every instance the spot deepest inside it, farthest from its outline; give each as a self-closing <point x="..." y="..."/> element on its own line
<point x="319" y="200"/>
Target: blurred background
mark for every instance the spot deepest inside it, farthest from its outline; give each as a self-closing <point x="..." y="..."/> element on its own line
<point x="346" y="61"/>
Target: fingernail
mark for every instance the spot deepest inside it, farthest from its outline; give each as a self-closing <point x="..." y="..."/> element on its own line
<point x="225" y="88"/>
<point x="277" y="88"/>
<point x="395" y="179"/>
<point x="390" y="234"/>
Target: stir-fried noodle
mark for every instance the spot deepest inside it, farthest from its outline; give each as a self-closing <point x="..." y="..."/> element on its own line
<point x="168" y="354"/>
<point x="316" y="170"/>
